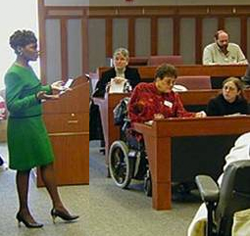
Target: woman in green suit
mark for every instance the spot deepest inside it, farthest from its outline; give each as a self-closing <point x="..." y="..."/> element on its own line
<point x="28" y="142"/>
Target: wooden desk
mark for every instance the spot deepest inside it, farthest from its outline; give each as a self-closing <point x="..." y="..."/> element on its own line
<point x="107" y="104"/>
<point x="157" y="140"/>
<point x="147" y="72"/>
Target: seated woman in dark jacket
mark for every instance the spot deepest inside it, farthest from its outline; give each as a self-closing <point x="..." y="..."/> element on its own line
<point x="230" y="101"/>
<point x="119" y="72"/>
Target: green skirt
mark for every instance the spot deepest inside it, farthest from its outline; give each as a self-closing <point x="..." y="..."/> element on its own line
<point x="28" y="143"/>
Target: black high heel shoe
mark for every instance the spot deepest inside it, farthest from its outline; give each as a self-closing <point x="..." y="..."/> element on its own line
<point x="28" y="224"/>
<point x="63" y="215"/>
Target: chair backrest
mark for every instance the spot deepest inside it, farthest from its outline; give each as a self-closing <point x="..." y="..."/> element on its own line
<point x="194" y="82"/>
<point x="133" y="61"/>
<point x="138" y="61"/>
<point x="234" y="195"/>
<point x="170" y="59"/>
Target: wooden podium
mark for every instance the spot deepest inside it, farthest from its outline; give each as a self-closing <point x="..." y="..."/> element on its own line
<point x="67" y="122"/>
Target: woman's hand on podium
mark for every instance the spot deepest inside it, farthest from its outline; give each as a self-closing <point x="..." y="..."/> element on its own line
<point x="61" y="86"/>
<point x="41" y="96"/>
<point x="58" y="85"/>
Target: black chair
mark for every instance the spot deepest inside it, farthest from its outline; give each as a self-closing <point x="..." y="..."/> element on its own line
<point x="222" y="202"/>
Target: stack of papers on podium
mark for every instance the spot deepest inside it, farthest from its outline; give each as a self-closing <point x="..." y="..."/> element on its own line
<point x="66" y="86"/>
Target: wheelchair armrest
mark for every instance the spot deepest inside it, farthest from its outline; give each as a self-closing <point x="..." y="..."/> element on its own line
<point x="126" y="119"/>
<point x="208" y="188"/>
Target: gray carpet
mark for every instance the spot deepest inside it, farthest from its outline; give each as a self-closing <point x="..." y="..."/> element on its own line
<point x="105" y="209"/>
<point x="129" y="212"/>
<point x="76" y="198"/>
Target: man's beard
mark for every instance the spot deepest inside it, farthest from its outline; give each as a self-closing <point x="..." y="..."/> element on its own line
<point x="223" y="47"/>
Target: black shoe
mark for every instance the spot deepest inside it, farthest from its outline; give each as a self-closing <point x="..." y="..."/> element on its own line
<point x="28" y="224"/>
<point x="102" y="150"/>
<point x="108" y="173"/>
<point x="63" y="215"/>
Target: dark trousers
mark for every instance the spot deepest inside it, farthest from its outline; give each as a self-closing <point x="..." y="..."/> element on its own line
<point x="95" y="124"/>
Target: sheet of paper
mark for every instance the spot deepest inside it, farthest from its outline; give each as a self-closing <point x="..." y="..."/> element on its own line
<point x="150" y="122"/>
<point x="66" y="85"/>
<point x="116" y="88"/>
<point x="235" y="114"/>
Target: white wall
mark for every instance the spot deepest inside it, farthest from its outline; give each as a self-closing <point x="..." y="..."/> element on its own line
<point x="14" y="15"/>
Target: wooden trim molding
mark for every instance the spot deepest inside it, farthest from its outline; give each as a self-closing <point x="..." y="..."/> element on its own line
<point x="109" y="37"/>
<point x="175" y="12"/>
<point x="198" y="40"/>
<point x="85" y="46"/>
<point x="176" y="35"/>
<point x="154" y="35"/>
<point x="243" y="36"/>
<point x="221" y="22"/>
<point x="64" y="48"/>
<point x="57" y="12"/>
<point x="131" y="36"/>
<point x="192" y="10"/>
<point x="145" y="11"/>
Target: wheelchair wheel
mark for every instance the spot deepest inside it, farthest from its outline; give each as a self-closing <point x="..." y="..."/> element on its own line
<point x="119" y="164"/>
<point x="148" y="184"/>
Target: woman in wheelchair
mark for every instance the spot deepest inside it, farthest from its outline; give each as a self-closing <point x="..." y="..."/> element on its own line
<point x="149" y="101"/>
<point x="127" y="157"/>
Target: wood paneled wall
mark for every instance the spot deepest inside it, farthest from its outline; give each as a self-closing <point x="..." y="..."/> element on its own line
<point x="222" y="16"/>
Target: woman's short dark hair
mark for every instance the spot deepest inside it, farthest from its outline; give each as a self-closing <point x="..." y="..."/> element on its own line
<point x="21" y="38"/>
<point x="165" y="70"/>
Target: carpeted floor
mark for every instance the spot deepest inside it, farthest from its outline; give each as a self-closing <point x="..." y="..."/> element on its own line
<point x="129" y="212"/>
<point x="105" y="209"/>
<point x="76" y="198"/>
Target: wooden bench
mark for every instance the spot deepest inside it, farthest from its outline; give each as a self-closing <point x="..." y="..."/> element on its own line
<point x="147" y="72"/>
<point x="193" y="100"/>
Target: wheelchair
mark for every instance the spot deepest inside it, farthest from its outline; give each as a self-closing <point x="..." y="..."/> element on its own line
<point x="222" y="202"/>
<point x="127" y="156"/>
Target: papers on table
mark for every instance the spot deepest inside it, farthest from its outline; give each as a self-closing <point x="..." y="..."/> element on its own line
<point x="150" y="122"/>
<point x="117" y="87"/>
